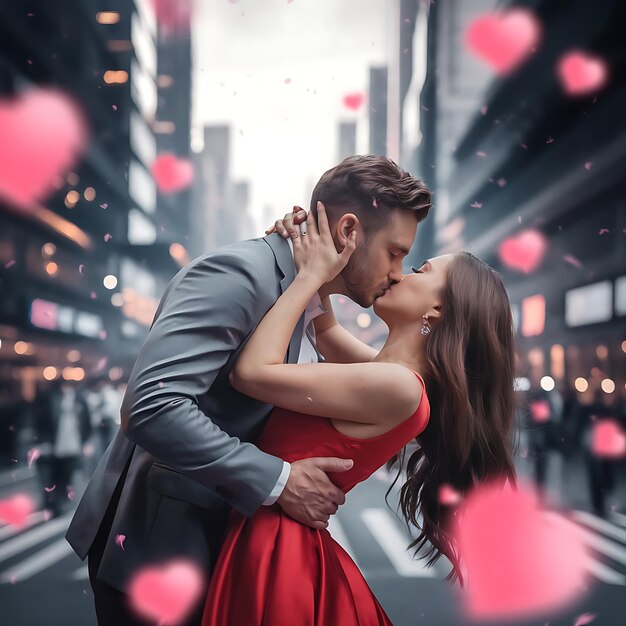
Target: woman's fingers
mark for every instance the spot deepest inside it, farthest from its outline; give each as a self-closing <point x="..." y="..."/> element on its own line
<point x="287" y="225"/>
<point x="322" y="219"/>
<point x="349" y="248"/>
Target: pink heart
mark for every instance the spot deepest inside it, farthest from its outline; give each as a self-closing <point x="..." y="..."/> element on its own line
<point x="581" y="73"/>
<point x="540" y="410"/>
<point x="504" y="39"/>
<point x="448" y="495"/>
<point x="608" y="439"/>
<point x="173" y="16"/>
<point x="43" y="134"/>
<point x="353" y="101"/>
<point x="172" y="173"/>
<point x="15" y="510"/>
<point x="524" y="251"/>
<point x="167" y="593"/>
<point x="520" y="562"/>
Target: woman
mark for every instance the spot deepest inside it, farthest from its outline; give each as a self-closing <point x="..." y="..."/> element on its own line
<point x="450" y="332"/>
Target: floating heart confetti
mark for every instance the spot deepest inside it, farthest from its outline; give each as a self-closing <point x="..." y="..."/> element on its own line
<point x="33" y="152"/>
<point x="171" y="173"/>
<point x="353" y="101"/>
<point x="167" y="593"/>
<point x="608" y="440"/>
<point x="540" y="411"/>
<point x="572" y="260"/>
<point x="523" y="252"/>
<point x="15" y="510"/>
<point x="585" y="618"/>
<point x="448" y="495"/>
<point x="580" y="73"/>
<point x="119" y="540"/>
<point x="520" y="561"/>
<point x="504" y="39"/>
<point x="50" y="489"/>
<point x="174" y="16"/>
<point x="89" y="449"/>
<point x="32" y="455"/>
<point x="476" y="205"/>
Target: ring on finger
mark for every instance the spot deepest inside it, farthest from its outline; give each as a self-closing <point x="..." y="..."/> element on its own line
<point x="303" y="229"/>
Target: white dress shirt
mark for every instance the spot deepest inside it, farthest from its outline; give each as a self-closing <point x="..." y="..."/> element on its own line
<point x="308" y="354"/>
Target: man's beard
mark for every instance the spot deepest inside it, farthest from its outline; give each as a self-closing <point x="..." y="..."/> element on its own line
<point x="355" y="277"/>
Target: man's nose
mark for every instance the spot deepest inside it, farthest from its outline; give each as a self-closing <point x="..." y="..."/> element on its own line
<point x="395" y="276"/>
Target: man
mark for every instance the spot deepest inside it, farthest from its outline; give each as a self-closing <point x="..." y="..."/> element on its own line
<point x="185" y="451"/>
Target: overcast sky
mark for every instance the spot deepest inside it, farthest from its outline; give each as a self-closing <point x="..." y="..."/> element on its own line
<point x="277" y="71"/>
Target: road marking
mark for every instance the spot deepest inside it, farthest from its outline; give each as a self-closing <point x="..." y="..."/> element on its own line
<point x="605" y="573"/>
<point x="12" y="477"/>
<point x="394" y="543"/>
<point x="337" y="533"/>
<point x="31" y="520"/>
<point x="82" y="573"/>
<point x="37" y="562"/>
<point x="33" y="537"/>
<point x="605" y="546"/>
<point x="618" y="518"/>
<point x="601" y="524"/>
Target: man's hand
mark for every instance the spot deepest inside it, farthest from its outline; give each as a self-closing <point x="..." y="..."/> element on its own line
<point x="289" y="225"/>
<point x="309" y="495"/>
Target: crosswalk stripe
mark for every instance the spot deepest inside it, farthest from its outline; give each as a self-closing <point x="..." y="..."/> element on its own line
<point x="393" y="543"/>
<point x="82" y="573"/>
<point x="600" y="524"/>
<point x="10" y="530"/>
<point x="604" y="573"/>
<point x="337" y="533"/>
<point x="37" y="562"/>
<point x="33" y="537"/>
<point x="604" y="546"/>
<point x="618" y="518"/>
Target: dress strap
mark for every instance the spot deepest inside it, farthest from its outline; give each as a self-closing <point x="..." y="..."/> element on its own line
<point x="423" y="383"/>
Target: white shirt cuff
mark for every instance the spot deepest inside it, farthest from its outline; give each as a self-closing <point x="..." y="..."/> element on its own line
<point x="280" y="485"/>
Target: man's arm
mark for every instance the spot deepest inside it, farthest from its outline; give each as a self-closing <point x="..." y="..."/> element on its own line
<point x="203" y="318"/>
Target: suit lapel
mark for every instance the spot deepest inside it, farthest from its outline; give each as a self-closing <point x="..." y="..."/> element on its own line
<point x="284" y="260"/>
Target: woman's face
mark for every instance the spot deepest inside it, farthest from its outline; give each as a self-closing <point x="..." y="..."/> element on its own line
<point x="417" y="294"/>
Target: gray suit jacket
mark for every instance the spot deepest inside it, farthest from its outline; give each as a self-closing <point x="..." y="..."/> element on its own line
<point x="183" y="453"/>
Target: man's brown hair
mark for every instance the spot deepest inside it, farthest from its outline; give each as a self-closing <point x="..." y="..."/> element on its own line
<point x="370" y="186"/>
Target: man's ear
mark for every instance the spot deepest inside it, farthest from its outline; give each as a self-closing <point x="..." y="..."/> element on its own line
<point x="345" y="225"/>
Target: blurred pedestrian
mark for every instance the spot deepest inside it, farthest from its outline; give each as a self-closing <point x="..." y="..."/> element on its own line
<point x="62" y="427"/>
<point x="601" y="479"/>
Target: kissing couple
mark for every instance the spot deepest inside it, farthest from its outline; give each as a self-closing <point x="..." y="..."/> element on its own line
<point x="250" y="412"/>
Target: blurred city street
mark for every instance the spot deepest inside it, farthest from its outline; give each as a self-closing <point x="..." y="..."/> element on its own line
<point x="40" y="577"/>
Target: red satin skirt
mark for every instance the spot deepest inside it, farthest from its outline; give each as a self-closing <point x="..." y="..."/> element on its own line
<point x="274" y="571"/>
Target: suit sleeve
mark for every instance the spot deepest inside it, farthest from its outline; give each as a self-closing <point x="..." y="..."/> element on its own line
<point x="202" y="318"/>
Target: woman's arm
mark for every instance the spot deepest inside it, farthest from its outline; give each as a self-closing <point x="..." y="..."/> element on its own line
<point x="337" y="344"/>
<point x="359" y="392"/>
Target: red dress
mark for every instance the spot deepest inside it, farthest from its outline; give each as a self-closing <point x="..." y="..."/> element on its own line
<point x="274" y="571"/>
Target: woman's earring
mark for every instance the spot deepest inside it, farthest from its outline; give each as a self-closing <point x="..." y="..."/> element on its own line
<point x="425" y="330"/>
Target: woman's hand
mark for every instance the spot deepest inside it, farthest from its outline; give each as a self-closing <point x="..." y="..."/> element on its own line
<point x="289" y="226"/>
<point x="314" y="251"/>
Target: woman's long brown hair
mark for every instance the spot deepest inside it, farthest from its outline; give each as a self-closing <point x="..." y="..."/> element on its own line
<point x="469" y="376"/>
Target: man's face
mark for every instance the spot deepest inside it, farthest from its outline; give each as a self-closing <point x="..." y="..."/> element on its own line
<point x="377" y="264"/>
